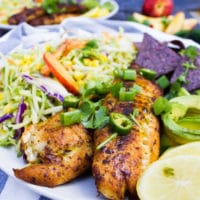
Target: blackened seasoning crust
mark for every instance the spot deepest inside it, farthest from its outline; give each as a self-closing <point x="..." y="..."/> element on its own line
<point x="157" y="56"/>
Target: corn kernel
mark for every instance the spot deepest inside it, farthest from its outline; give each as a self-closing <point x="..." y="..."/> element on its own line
<point x="86" y="61"/>
<point x="103" y="58"/>
<point x="1" y="96"/>
<point x="7" y="109"/>
<point x="48" y="48"/>
<point x="94" y="63"/>
<point x="78" y="76"/>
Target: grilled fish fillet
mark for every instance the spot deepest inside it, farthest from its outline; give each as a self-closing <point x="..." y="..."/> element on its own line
<point x="57" y="154"/>
<point x="37" y="15"/>
<point x="117" y="166"/>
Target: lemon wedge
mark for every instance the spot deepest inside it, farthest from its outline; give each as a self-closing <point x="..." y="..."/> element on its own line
<point x="192" y="148"/>
<point x="176" y="178"/>
<point x="96" y="12"/>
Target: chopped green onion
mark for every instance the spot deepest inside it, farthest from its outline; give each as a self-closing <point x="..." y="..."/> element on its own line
<point x="161" y="105"/>
<point x="163" y="82"/>
<point x="148" y="73"/>
<point x="136" y="88"/>
<point x="114" y="135"/>
<point x="71" y="117"/>
<point x="70" y="101"/>
<point x="129" y="75"/>
<point x="115" y="89"/>
<point x="130" y="94"/>
<point x="118" y="73"/>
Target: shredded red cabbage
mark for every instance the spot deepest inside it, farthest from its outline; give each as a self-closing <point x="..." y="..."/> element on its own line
<point x="48" y="86"/>
<point x="19" y="117"/>
<point x="6" y="117"/>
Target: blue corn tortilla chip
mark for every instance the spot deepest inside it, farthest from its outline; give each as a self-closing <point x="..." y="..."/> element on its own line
<point x="193" y="75"/>
<point x="157" y="56"/>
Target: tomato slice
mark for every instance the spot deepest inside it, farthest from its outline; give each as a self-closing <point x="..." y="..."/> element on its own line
<point x="61" y="73"/>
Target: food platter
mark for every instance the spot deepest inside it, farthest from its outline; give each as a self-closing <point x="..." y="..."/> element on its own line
<point x="82" y="188"/>
<point x="107" y="16"/>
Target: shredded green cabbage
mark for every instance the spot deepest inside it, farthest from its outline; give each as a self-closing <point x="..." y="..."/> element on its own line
<point x="96" y="63"/>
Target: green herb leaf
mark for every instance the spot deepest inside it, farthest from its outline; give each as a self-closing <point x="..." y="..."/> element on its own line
<point x="94" y="115"/>
<point x="133" y="117"/>
<point x="174" y="89"/>
<point x="91" y="44"/>
<point x="189" y="65"/>
<point x="191" y="52"/>
<point x="101" y="117"/>
<point x="114" y="135"/>
<point x="50" y="6"/>
<point x="90" y="3"/>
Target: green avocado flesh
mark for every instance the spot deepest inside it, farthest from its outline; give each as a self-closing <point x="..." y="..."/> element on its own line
<point x="192" y="123"/>
<point x="182" y="122"/>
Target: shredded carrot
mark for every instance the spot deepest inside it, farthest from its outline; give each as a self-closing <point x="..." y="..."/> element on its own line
<point x="63" y="50"/>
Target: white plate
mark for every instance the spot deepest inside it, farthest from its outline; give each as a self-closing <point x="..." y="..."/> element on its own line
<point x="111" y="14"/>
<point x="82" y="188"/>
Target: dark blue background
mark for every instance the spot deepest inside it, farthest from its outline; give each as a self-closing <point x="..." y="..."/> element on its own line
<point x="127" y="7"/>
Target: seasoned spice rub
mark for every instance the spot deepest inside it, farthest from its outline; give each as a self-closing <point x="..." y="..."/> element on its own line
<point x="117" y="166"/>
<point x="58" y="154"/>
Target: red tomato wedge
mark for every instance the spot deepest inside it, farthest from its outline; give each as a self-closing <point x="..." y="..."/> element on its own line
<point x="61" y="73"/>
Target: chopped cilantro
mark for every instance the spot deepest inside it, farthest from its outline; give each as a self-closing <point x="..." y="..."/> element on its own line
<point x="189" y="65"/>
<point x="94" y="115"/>
<point x="91" y="44"/>
<point x="190" y="52"/>
<point x="174" y="88"/>
<point x="133" y="117"/>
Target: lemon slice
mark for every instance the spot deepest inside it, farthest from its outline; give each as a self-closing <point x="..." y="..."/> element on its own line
<point x="176" y="178"/>
<point x="96" y="12"/>
<point x="192" y="148"/>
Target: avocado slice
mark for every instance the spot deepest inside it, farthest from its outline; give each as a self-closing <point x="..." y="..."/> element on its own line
<point x="182" y="122"/>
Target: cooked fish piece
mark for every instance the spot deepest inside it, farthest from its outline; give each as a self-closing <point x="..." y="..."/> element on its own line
<point x="37" y="15"/>
<point x="26" y="15"/>
<point x="56" y="154"/>
<point x="117" y="166"/>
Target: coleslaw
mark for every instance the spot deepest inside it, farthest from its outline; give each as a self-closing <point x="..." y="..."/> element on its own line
<point x="21" y="81"/>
